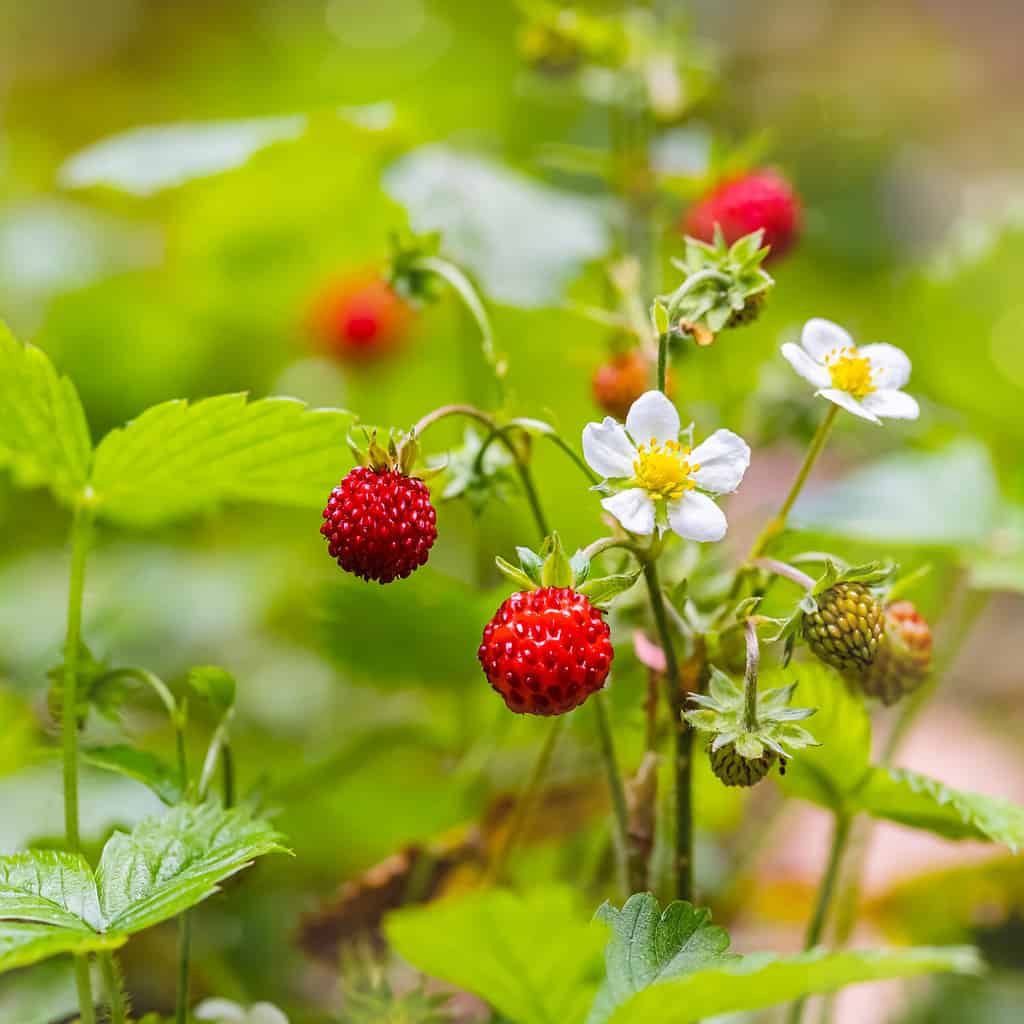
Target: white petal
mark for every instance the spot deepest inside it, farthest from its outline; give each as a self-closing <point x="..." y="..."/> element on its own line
<point x="816" y="373"/>
<point x="849" y="403"/>
<point x="893" y="405"/>
<point x="723" y="459"/>
<point x="696" y="517"/>
<point x="889" y="365"/>
<point x="607" y="449"/>
<point x="221" y="1010"/>
<point x="820" y="336"/>
<point x="266" y="1013"/>
<point x="633" y="509"/>
<point x="653" y="415"/>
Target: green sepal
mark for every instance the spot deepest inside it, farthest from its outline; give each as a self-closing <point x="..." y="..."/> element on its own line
<point x="531" y="562"/>
<point x="601" y="590"/>
<point x="870" y="574"/>
<point x="517" y="576"/>
<point x="659" y="317"/>
<point x="557" y="570"/>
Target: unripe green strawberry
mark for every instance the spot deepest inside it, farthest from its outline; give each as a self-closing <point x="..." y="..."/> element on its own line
<point x="734" y="769"/>
<point x="904" y="657"/>
<point x="847" y="628"/>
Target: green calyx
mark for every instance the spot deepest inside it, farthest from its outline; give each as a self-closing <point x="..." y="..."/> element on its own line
<point x="552" y="567"/>
<point x="725" y="286"/>
<point x="401" y="454"/>
<point x="723" y="713"/>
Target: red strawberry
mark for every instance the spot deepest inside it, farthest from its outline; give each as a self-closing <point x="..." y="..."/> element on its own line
<point x="380" y="524"/>
<point x="759" y="199"/>
<point x="360" y="318"/>
<point x="546" y="651"/>
<point x="618" y="383"/>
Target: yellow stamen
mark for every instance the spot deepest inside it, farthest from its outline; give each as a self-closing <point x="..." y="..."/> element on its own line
<point x="850" y="372"/>
<point x="663" y="471"/>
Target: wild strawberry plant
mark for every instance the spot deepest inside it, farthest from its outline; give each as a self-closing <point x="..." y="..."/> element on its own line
<point x="769" y="668"/>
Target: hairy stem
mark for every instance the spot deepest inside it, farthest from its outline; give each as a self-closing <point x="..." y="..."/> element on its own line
<point x="789" y="572"/>
<point x="81" y="538"/>
<point x="750" y="676"/>
<point x="112" y="984"/>
<point x="823" y="901"/>
<point x="683" y="862"/>
<point x="662" y="362"/>
<point x="184" y="964"/>
<point x="618" y="794"/>
<point x="778" y="523"/>
<point x="527" y="800"/>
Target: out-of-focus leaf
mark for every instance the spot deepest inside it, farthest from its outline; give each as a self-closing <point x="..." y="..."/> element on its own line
<point x="648" y="946"/>
<point x="535" y="957"/>
<point x="140" y="765"/>
<point x="19" y="730"/>
<point x="215" y="684"/>
<point x="920" y="802"/>
<point x="524" y="241"/>
<point x="942" y="498"/>
<point x="179" y="458"/>
<point x="40" y="996"/>
<point x="762" y="979"/>
<point x="44" y="437"/>
<point x="169" y="863"/>
<point x="999" y="565"/>
<point x="22" y="943"/>
<point x="146" y="160"/>
<point x="826" y="774"/>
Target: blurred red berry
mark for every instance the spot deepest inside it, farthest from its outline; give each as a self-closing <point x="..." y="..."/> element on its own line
<point x="359" y="318"/>
<point x="380" y="524"/>
<point x="759" y="199"/>
<point x="546" y="651"/>
<point x="618" y="383"/>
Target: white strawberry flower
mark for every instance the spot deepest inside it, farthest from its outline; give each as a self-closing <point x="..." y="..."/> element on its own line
<point x="655" y="480"/>
<point x="223" y="1011"/>
<point x="865" y="381"/>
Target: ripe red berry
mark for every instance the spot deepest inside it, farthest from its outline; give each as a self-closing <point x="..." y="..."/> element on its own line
<point x="618" y="383"/>
<point x="546" y="651"/>
<point x="380" y="524"/>
<point x="359" y="318"/>
<point x="760" y="199"/>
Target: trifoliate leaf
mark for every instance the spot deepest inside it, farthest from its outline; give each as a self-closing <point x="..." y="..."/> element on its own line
<point x="164" y="866"/>
<point x="177" y="458"/>
<point x="648" y="946"/>
<point x="44" y="436"/>
<point x="477" y="480"/>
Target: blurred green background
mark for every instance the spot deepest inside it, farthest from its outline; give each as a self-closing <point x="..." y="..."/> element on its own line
<point x="182" y="264"/>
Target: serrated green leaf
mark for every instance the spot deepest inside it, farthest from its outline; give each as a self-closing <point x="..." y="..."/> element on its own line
<point x="648" y="946"/>
<point x="23" y="943"/>
<point x="920" y="802"/>
<point x="44" y="436"/>
<point x="604" y="588"/>
<point x="535" y="957"/>
<point x="178" y="458"/>
<point x="761" y="980"/>
<point x="827" y="774"/>
<point x="215" y="684"/>
<point x="49" y="887"/>
<point x="140" y="765"/>
<point x="172" y="862"/>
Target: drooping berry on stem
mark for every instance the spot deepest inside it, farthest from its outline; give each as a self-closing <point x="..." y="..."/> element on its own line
<point x="846" y="629"/>
<point x="546" y="651"/>
<point x="379" y="523"/>
<point x="620" y="381"/>
<point x="904" y="657"/>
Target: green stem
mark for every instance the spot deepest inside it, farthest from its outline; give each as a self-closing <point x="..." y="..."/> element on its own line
<point x="184" y="960"/>
<point x="527" y="800"/>
<point x="150" y="679"/>
<point x="463" y="287"/>
<point x="750" y="677"/>
<point x="778" y="523"/>
<point x="112" y="983"/>
<point x="227" y="771"/>
<point x="823" y="902"/>
<point x="662" y="361"/>
<point x="683" y="865"/>
<point x="83" y="984"/>
<point x="526" y="479"/>
<point x="81" y="538"/>
<point x="627" y="872"/>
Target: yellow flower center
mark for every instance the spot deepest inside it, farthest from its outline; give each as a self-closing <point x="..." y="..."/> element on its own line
<point x="850" y="372"/>
<point x="662" y="469"/>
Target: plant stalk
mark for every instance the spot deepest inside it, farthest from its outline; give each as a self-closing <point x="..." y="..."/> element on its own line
<point x="627" y="871"/>
<point x="184" y="963"/>
<point x="112" y="983"/>
<point x="683" y="862"/>
<point x="750" y="676"/>
<point x="81" y="538"/>
<point x="823" y="901"/>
